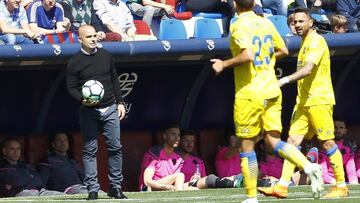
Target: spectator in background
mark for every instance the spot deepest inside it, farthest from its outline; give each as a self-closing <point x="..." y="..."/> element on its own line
<point x="14" y="26"/>
<point x="351" y="10"/>
<point x="161" y="165"/>
<point x="338" y="23"/>
<point x="317" y="5"/>
<point x="150" y="8"/>
<point x="281" y="6"/>
<point x="194" y="169"/>
<point x="47" y="17"/>
<point x="59" y="164"/>
<point x="227" y="160"/>
<point x="291" y="24"/>
<point x="115" y="17"/>
<point x="18" y="178"/>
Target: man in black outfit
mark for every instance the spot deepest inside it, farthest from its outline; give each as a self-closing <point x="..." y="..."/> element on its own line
<point x="92" y="63"/>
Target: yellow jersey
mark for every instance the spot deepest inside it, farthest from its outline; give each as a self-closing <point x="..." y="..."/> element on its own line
<point x="316" y="88"/>
<point x="255" y="80"/>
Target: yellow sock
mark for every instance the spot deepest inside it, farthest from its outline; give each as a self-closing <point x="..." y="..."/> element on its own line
<point x="287" y="172"/>
<point x="337" y="164"/>
<point x="291" y="153"/>
<point x="249" y="169"/>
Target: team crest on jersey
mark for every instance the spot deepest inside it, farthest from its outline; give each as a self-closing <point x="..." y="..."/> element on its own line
<point x="319" y="130"/>
<point x="245" y="130"/>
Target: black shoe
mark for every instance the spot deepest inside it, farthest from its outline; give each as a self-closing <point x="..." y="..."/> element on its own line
<point x="116" y="193"/>
<point x="92" y="196"/>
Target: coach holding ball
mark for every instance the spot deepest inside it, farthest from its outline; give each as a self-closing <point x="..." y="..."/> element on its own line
<point x="92" y="63"/>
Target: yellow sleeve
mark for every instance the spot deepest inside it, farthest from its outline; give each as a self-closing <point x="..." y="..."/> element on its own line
<point x="315" y="51"/>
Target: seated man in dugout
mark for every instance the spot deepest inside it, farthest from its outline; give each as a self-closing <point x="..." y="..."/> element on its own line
<point x="194" y="168"/>
<point x="161" y="165"/>
<point x="17" y="178"/>
<point x="60" y="164"/>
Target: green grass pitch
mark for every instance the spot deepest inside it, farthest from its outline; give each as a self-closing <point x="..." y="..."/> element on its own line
<point x="296" y="194"/>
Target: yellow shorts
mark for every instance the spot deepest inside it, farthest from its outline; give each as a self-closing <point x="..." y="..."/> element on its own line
<point x="251" y="117"/>
<point x="313" y="120"/>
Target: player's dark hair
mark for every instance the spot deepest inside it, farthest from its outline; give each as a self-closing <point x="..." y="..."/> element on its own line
<point x="172" y="125"/>
<point x="7" y="140"/>
<point x="188" y="132"/>
<point x="303" y="10"/>
<point x="245" y="4"/>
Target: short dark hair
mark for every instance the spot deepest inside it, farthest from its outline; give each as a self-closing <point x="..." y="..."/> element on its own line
<point x="245" y="4"/>
<point x="188" y="132"/>
<point x="303" y="10"/>
<point x="7" y="140"/>
<point x="172" y="125"/>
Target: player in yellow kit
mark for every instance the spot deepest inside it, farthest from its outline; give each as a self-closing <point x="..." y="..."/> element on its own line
<point x="314" y="105"/>
<point x="255" y="45"/>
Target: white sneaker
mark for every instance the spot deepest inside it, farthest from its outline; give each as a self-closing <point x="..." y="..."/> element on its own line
<point x="313" y="170"/>
<point x="250" y="200"/>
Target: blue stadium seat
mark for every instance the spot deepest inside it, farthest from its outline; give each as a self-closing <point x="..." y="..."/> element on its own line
<point x="207" y="28"/>
<point x="280" y="23"/>
<point x="319" y="17"/>
<point x="268" y="11"/>
<point x="233" y="19"/>
<point x="172" y="29"/>
<point x="209" y="15"/>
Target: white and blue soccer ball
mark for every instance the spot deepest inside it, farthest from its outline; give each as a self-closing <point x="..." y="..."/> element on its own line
<point x="93" y="90"/>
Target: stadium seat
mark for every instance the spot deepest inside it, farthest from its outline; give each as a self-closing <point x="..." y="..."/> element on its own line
<point x="209" y="15"/>
<point x="280" y="22"/>
<point x="233" y="19"/>
<point x="209" y="140"/>
<point x="268" y="11"/>
<point x="142" y="28"/>
<point x="206" y="28"/>
<point x="172" y="29"/>
<point x="37" y="148"/>
<point x="135" y="144"/>
<point x="77" y="147"/>
<point x="319" y="17"/>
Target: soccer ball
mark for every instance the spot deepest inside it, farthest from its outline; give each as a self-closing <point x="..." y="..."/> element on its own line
<point x="93" y="90"/>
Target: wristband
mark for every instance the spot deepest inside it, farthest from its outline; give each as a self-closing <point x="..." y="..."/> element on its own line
<point x="284" y="80"/>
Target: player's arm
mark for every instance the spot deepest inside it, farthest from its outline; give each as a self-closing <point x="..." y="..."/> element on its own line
<point x="148" y="174"/>
<point x="301" y="73"/>
<point x="281" y="52"/>
<point x="245" y="56"/>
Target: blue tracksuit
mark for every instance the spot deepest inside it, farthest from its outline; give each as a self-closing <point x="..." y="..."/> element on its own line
<point x="60" y="172"/>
